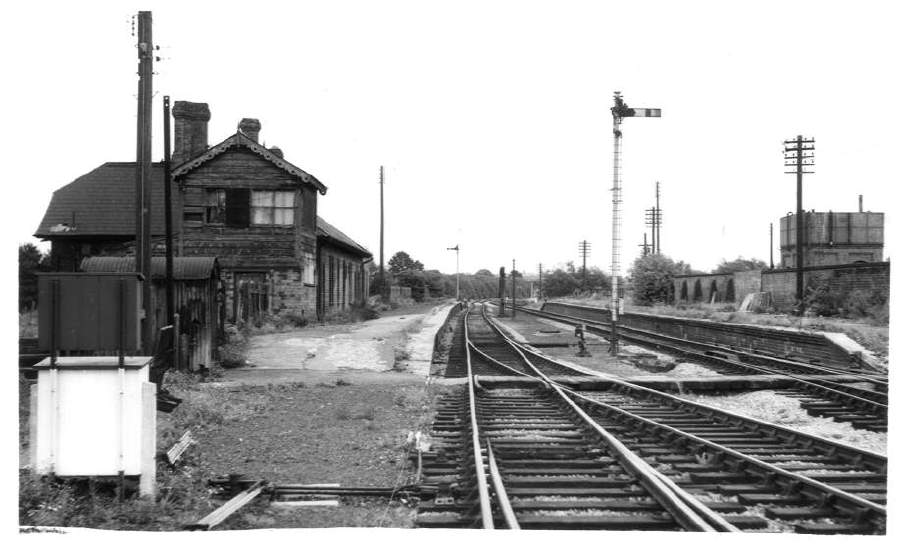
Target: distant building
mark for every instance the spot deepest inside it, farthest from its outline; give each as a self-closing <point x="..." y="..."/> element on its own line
<point x="236" y="201"/>
<point x="833" y="238"/>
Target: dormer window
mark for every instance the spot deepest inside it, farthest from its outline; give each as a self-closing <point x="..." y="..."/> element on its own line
<point x="272" y="207"/>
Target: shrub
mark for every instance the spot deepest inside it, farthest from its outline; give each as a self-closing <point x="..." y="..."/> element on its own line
<point x="824" y="299"/>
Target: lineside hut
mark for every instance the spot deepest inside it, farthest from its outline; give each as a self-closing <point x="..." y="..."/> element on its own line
<point x="199" y="301"/>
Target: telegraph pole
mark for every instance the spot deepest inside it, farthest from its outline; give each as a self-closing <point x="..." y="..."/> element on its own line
<point x="645" y="248"/>
<point x="619" y="111"/>
<point x="658" y="220"/>
<point x="514" y="289"/>
<point x="143" y="176"/>
<point x="167" y="165"/>
<point x="799" y="153"/>
<point x="653" y="219"/>
<point x="384" y="285"/>
<point x="650" y="221"/>
<point x="584" y="249"/>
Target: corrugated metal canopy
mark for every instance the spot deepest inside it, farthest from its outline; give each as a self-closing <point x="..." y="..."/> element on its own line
<point x="183" y="268"/>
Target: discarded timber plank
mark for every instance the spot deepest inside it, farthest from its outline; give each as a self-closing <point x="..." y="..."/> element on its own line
<point x="228" y="508"/>
<point x="175" y="453"/>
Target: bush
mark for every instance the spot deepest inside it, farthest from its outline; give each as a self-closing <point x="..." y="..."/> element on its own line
<point x="823" y="299"/>
<point x="652" y="278"/>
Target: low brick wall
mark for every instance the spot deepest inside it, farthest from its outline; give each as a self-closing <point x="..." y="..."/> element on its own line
<point x="782" y="283"/>
<point x="781" y="343"/>
<point x="728" y="287"/>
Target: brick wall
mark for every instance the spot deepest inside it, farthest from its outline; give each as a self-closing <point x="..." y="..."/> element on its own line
<point x="286" y="291"/>
<point x="743" y="282"/>
<point x="782" y="283"/>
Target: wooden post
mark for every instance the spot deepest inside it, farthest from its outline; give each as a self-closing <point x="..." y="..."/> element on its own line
<point x="148" y="440"/>
<point x="176" y="341"/>
<point x="143" y="249"/>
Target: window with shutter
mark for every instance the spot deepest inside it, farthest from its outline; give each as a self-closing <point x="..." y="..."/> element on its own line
<point x="237" y="208"/>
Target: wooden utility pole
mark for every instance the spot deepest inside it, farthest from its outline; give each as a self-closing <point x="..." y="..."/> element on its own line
<point x="514" y="275"/>
<point x="143" y="175"/>
<point x="645" y="248"/>
<point x="167" y="167"/>
<point x="799" y="153"/>
<point x="658" y="221"/>
<point x="584" y="249"/>
<point x="384" y="285"/>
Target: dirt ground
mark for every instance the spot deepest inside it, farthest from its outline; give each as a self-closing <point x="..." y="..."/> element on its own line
<point x="341" y="416"/>
<point x="330" y="404"/>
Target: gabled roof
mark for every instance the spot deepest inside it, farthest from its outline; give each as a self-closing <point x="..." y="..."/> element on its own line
<point x="241" y="140"/>
<point x="328" y="232"/>
<point x="183" y="268"/>
<point x="101" y="202"/>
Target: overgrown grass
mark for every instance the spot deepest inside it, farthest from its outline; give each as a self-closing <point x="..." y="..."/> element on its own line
<point x="182" y="493"/>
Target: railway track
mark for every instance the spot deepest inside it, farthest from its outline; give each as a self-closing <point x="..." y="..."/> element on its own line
<point x="863" y="402"/>
<point x="544" y="456"/>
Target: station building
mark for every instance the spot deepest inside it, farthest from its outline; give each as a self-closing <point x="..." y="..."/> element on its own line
<point x="237" y="201"/>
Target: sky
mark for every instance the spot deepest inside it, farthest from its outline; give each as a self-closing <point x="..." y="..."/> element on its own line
<point x="491" y="119"/>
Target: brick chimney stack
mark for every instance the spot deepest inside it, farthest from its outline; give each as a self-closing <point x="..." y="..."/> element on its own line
<point x="250" y="127"/>
<point x="190" y="135"/>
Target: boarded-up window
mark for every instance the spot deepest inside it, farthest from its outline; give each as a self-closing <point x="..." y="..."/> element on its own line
<point x="237" y="208"/>
<point x="215" y="206"/>
<point x="273" y="207"/>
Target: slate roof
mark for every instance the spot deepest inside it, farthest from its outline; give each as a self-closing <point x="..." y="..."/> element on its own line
<point x="101" y="202"/>
<point x="183" y="268"/>
<point x="241" y="140"/>
<point x="328" y="231"/>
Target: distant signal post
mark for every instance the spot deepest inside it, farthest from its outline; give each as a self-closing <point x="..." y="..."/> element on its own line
<point x="620" y="111"/>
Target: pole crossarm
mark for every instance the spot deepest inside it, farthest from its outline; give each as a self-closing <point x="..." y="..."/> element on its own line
<point x="799" y="154"/>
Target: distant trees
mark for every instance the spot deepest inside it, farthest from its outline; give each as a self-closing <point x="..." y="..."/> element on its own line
<point x="652" y="278"/>
<point x="740" y="264"/>
<point x="558" y="283"/>
<point x="403" y="270"/>
<point x="31" y="261"/>
<point x="402" y="262"/>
